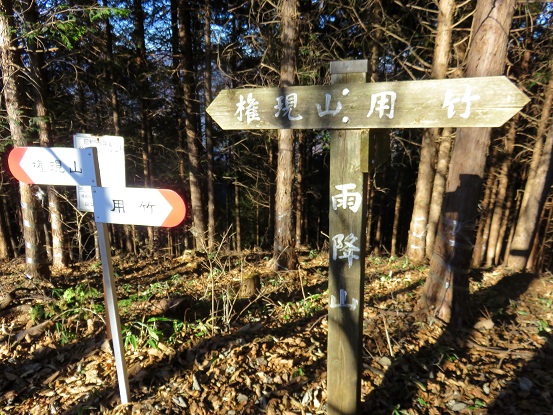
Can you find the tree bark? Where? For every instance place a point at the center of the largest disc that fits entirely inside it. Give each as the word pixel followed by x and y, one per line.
pixel 300 201
pixel 501 194
pixel 36 258
pixel 438 188
pixel 483 231
pixel 39 93
pixel 446 289
pixel 499 256
pixel 6 250
pixel 238 224
pixel 209 131
pixel 537 186
pixel 284 253
pixel 425 178
pixel 191 124
pixel 397 214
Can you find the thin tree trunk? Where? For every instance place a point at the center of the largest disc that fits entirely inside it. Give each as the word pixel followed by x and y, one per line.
pixel 273 159
pixel 487 203
pixel 370 212
pixel 500 197
pixel 11 227
pixel 483 231
pixel 144 106
pixel 6 250
pixel 438 188
pixel 447 286
pixel 128 242
pixel 377 241
pixel 537 257
pixel 537 185
pixel 499 256
pixel 300 201
pixel 191 124
pixel 36 259
pixel 39 93
pixel 110 75
pixel 143 88
pixel 284 253
pixel 209 131
pixel 397 214
pixel 238 232
pixel 425 178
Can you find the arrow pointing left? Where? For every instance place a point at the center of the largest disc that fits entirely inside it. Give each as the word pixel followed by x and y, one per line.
pixel 53 166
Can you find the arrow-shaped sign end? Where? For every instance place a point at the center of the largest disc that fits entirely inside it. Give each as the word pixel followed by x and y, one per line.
pixel 14 164
pixel 177 215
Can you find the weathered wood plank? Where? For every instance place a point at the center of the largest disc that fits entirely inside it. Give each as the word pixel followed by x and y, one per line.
pixel 347 224
pixel 463 102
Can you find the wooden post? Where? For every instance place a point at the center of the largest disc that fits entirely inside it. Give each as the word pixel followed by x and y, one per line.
pixel 347 225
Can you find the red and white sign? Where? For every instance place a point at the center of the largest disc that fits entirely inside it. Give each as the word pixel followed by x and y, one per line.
pixel 53 166
pixel 138 206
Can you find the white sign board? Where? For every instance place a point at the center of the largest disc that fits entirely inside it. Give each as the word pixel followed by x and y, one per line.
pixel 138 206
pixel 111 161
pixel 53 166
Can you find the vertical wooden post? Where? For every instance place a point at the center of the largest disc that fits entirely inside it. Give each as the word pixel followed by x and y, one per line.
pixel 347 228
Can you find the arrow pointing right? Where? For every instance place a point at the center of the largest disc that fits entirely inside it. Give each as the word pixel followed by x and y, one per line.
pixel 138 206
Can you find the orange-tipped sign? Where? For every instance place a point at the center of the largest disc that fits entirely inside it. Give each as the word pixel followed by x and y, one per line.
pixel 138 206
pixel 53 166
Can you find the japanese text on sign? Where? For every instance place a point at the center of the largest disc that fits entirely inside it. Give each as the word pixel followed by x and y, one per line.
pixel 382 104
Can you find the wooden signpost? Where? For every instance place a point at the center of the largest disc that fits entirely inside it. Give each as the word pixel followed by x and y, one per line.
pixel 139 206
pixel 350 107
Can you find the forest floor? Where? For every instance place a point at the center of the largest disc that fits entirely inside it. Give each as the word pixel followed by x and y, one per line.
pixel 194 347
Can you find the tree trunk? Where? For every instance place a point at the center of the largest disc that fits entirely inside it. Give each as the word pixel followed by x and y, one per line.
pixel 501 194
pixel 438 188
pixel 36 259
pixel 110 77
pixel 238 231
pixel 537 187
pixel 397 214
pixel 6 251
pixel 143 91
pixel 483 231
pixel 370 212
pixel 447 286
pixel 12 228
pixel 425 178
pixel 191 124
pixel 145 129
pixel 284 253
pixel 543 237
pixel 209 131
pixel 504 224
pixel 300 201
pixel 273 161
pixel 39 93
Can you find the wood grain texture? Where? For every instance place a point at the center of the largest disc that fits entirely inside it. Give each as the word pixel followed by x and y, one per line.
pixel 463 102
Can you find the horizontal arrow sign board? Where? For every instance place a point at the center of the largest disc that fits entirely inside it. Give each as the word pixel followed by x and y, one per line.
pixel 53 166
pixel 463 102
pixel 138 206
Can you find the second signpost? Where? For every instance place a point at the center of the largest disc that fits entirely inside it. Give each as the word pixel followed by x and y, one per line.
pixel 122 205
